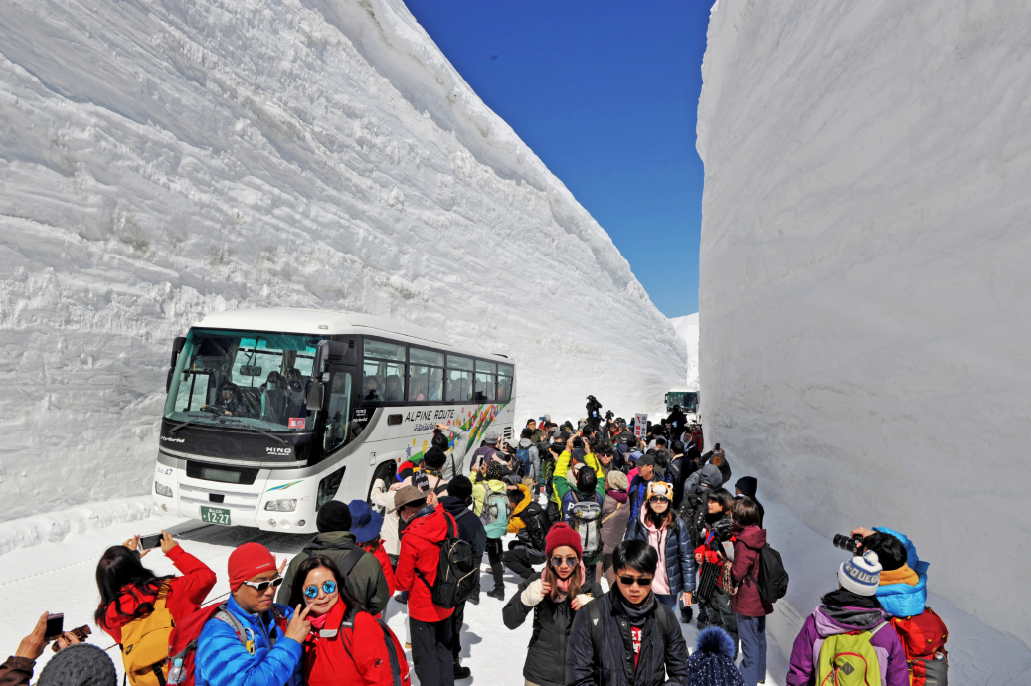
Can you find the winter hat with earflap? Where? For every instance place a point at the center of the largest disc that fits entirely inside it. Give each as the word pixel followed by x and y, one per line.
pixel 659 488
pixel 81 664
pixel 562 534
pixel 861 575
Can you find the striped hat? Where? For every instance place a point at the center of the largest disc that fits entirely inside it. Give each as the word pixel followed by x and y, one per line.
pixel 861 575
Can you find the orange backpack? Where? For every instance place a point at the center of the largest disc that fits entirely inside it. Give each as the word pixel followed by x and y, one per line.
pixel 923 638
pixel 145 644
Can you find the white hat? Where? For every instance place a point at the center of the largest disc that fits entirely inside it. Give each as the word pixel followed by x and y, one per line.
pixel 861 575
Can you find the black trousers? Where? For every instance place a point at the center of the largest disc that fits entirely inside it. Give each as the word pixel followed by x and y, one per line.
pixel 431 652
pixel 497 569
pixel 520 561
pixel 719 613
pixel 457 620
pixel 553 512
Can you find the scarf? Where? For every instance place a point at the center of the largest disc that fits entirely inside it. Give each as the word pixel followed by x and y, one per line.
pixel 563 585
pixel 902 575
pixel 637 614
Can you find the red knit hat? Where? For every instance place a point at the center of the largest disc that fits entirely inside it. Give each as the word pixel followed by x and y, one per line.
pixel 247 562
pixel 562 534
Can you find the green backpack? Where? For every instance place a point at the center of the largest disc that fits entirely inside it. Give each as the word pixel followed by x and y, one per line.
pixel 849 660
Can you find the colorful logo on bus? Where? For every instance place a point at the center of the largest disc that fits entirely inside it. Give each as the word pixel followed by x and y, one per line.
pixel 475 421
pixel 283 486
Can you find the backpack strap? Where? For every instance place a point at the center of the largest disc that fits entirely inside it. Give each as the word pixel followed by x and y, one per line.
pixel 597 620
pixel 395 661
pixel 350 560
pixel 609 515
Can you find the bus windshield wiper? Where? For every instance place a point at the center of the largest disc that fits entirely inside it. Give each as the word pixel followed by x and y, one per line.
pixel 194 420
pixel 225 420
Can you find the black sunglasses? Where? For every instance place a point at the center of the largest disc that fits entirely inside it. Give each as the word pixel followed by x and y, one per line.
pixel 630 581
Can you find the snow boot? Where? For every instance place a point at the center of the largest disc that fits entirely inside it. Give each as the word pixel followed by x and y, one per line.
pixel 685 614
pixel 461 672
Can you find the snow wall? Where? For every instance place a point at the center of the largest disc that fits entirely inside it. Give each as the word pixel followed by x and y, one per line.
pixel 864 274
pixel 162 160
pixel 687 328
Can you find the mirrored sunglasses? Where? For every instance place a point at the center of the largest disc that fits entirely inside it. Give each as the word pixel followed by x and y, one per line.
pixel 312 592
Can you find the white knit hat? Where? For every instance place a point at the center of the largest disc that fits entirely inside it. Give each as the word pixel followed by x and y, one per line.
pixel 861 575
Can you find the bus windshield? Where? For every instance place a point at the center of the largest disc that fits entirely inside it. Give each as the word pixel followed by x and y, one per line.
pixel 688 401
pixel 243 380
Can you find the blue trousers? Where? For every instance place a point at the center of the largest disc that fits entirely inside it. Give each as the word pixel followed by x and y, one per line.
pixel 752 631
pixel 667 600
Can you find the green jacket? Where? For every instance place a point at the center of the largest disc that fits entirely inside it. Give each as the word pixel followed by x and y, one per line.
pixel 366 578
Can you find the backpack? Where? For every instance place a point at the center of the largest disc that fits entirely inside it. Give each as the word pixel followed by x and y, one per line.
pixel 145 642
pixel 523 455
pixel 772 583
pixel 182 643
pixel 497 510
pixel 536 522
pixel 923 638
pixel 457 571
pixel 849 660
pixel 400 676
pixel 585 519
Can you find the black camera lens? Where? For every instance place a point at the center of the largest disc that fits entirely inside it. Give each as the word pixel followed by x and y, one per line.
pixel 847 543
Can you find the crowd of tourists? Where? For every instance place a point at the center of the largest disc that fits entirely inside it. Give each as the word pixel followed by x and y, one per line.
pixel 642 511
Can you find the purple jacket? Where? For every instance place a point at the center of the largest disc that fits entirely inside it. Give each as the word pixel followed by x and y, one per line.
pixel 831 619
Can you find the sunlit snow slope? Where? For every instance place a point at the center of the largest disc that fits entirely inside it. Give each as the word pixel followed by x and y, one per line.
pixel 687 328
pixel 865 274
pixel 162 160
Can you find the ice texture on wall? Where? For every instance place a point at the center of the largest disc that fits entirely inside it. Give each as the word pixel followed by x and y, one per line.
pixel 162 160
pixel 687 328
pixel 864 274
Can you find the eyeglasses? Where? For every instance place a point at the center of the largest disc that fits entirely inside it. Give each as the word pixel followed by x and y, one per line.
pixel 569 561
pixel 312 592
pixel 630 581
pixel 262 586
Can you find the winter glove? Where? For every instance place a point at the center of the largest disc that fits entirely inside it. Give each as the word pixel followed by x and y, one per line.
pixel 532 594
pixel 582 600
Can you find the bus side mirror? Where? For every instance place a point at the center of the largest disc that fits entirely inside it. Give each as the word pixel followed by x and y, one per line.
pixel 316 394
pixel 177 347
pixel 168 379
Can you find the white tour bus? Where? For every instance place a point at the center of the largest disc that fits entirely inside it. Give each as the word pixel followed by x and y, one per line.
pixel 273 412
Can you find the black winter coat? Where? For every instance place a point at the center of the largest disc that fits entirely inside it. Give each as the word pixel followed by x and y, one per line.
pixel 546 654
pixel 470 528
pixel 662 651
pixel 681 569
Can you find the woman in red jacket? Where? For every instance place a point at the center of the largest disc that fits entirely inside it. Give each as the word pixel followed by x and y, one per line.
pixel 128 589
pixel 749 608
pixel 346 645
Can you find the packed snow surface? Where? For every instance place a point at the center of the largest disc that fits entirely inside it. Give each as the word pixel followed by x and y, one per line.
pixel 162 160
pixel 687 328
pixel 864 274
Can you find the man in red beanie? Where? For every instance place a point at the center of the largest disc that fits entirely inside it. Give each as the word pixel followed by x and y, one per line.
pixel 264 646
pixel 426 527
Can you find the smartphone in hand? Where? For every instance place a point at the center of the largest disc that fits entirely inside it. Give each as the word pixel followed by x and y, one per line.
pixel 55 626
pixel 151 541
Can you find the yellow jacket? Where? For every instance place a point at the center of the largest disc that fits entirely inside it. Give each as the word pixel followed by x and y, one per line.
pixel 559 483
pixel 516 522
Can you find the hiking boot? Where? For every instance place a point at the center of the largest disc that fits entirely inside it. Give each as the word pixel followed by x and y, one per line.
pixel 461 672
pixel 474 599
pixel 498 592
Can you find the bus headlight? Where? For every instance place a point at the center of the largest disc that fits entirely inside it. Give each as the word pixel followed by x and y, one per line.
pixel 162 489
pixel 281 505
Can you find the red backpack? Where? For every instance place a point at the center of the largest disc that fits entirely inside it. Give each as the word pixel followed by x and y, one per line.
pixel 923 638
pixel 182 644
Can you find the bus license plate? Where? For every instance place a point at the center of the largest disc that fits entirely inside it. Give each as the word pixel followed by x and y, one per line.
pixel 215 515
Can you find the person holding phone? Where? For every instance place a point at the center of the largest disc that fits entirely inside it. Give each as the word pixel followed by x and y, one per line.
pixel 269 650
pixel 17 669
pixel 128 590
pixel 346 645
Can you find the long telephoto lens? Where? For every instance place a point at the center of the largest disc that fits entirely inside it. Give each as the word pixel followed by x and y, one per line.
pixel 846 543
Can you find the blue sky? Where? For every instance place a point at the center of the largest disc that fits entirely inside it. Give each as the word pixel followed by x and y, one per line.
pixel 606 94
